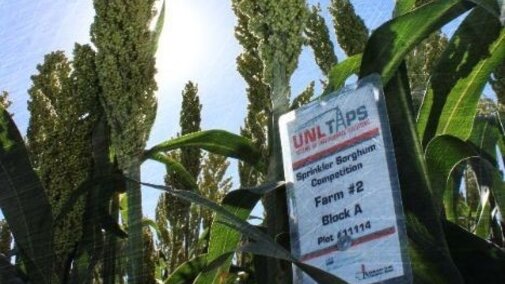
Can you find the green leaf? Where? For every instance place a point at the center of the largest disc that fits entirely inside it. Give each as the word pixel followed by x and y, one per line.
pixel 90 247
pixel 501 147
pixel 422 267
pixel 24 203
pixel 216 141
pixel 426 265
pixel 158 28
pixel 172 165
pixel 463 71
pixel 415 182
pixel 123 208
pixel 486 134
pixel 490 177
pixel 496 228
pixel 390 43
pixel 443 155
pixel 491 6
pixel 188 271
pixel 498 189
pixel 483 228
pixel 222 239
pixel 340 72
pixel 235 220
pixel 452 195
pixel 202 243
pixel 224 216
pixel 478 260
pixel 317 274
pixel 403 7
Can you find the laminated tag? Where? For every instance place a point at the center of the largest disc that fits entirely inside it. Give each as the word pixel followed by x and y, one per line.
pixel 344 199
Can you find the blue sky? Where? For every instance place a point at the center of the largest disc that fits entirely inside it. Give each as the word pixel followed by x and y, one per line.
pixel 197 44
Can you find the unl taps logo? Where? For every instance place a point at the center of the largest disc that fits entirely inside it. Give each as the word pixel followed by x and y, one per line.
pixel 337 122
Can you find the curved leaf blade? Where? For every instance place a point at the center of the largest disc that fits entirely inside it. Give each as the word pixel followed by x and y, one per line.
pixel 158 28
pixel 443 154
pixel 491 6
pixel 486 134
pixel 317 274
pixel 483 228
pixel 216 141
pixel 24 203
pixel 415 185
pixel 403 7
pixel 185 177
pixel 478 260
pixel 340 72
pixel 452 194
pixel 489 176
pixel 456 85
pixel 222 239
pixel 391 42
pixel 224 216
pixel 188 271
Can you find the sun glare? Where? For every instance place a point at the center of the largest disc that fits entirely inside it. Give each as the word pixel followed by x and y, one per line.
pixel 182 44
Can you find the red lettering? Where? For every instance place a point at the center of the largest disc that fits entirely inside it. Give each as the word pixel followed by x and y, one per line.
pixel 298 142
pixel 310 136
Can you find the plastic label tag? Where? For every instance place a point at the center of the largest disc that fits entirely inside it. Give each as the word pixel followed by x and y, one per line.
pixel 344 201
